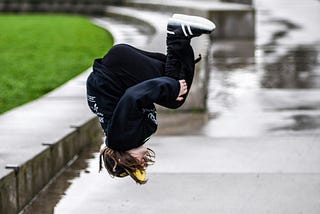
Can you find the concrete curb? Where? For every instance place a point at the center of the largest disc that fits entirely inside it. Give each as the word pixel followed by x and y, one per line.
pixel 38 139
pixel 19 186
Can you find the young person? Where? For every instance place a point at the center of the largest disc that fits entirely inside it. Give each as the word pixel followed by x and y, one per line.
pixel 124 86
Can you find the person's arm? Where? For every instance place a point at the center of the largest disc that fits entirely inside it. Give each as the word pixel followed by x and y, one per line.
pixel 127 127
pixel 162 90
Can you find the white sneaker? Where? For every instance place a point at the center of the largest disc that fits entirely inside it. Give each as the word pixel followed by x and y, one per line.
pixel 189 26
pixel 197 19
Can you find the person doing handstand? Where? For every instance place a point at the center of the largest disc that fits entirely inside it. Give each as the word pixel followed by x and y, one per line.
pixel 126 83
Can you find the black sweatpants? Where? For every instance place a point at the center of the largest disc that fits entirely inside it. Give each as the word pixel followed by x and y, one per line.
pixel 134 65
pixel 125 84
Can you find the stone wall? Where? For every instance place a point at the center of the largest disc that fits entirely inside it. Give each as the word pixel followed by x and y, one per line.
pixel 68 6
pixel 19 187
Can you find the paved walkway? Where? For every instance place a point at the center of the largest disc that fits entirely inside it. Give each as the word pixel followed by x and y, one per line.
pixel 226 170
pixel 209 175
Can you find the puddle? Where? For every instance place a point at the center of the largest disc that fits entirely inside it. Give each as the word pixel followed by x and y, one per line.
pixel 300 123
pixel 49 197
pixel 298 108
pixel 273 83
pixel 260 95
pixel 297 69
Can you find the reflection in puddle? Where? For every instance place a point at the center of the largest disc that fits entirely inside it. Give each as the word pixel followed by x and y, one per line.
pixel 300 123
pixel 288 26
pixel 232 55
pixel 263 91
pixel 55 191
pixel 298 108
pixel 296 69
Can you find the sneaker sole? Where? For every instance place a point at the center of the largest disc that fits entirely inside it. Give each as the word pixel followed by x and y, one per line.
pixel 195 20
pixel 186 25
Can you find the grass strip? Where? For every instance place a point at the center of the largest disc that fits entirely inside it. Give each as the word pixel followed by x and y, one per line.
pixel 39 52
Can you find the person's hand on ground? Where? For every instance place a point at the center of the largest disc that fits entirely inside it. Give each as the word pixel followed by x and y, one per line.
pixel 183 89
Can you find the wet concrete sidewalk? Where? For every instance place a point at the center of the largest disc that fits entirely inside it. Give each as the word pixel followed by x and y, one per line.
pixel 258 153
pixel 208 175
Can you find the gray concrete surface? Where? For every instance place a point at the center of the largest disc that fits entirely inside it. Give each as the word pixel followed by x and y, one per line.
pixel 188 193
pixel 237 155
pixel 208 175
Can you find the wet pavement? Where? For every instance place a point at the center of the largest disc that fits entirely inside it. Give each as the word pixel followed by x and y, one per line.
pixel 258 152
pixel 271 85
pixel 263 96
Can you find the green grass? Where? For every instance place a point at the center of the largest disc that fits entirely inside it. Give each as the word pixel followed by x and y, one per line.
pixel 39 52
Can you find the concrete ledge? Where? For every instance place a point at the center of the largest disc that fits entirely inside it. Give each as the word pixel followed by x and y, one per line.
pixel 233 20
pixel 65 7
pixel 19 187
pixel 115 12
pixel 40 138
pixel 8 193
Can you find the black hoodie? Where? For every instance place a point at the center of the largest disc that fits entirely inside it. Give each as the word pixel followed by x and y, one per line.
pixel 126 109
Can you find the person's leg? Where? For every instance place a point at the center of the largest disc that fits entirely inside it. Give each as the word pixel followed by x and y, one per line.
pixel 180 59
pixel 134 64
pixel 155 55
pixel 129 57
pixel 180 56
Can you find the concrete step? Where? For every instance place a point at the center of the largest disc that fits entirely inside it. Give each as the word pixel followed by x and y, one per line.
pixel 39 138
pixel 136 33
pixel 233 20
